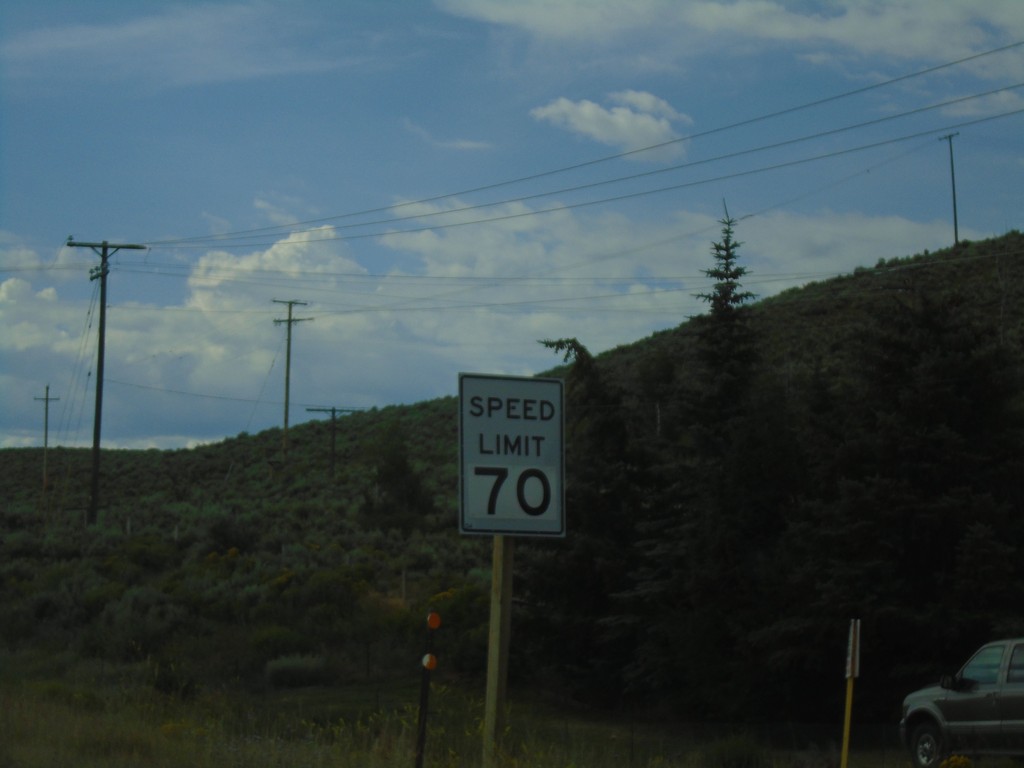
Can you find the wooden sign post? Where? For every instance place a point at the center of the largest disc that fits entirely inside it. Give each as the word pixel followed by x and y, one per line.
pixel 497 647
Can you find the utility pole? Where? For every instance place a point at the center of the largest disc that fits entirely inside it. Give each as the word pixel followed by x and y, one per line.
pixel 104 250
pixel 952 176
pixel 46 399
pixel 334 415
pixel 288 363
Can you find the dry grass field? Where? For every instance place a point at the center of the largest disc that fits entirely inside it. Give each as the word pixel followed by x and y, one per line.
pixel 102 716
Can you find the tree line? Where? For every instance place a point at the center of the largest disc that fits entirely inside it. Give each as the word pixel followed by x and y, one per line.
pixel 738 489
pixel 718 550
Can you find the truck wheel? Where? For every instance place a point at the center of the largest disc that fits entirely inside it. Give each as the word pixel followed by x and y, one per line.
pixel 926 745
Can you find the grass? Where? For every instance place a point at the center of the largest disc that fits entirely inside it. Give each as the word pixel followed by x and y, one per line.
pixel 61 713
pixel 52 724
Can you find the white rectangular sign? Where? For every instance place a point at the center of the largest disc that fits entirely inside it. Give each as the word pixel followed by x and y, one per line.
pixel 511 455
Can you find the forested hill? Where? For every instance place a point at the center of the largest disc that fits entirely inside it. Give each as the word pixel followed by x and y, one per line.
pixel 739 488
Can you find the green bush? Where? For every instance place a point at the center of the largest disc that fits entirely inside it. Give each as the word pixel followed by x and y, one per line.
pixel 296 671
pixel 20 544
pixel 739 751
pixel 139 623
pixel 275 641
pixel 73 697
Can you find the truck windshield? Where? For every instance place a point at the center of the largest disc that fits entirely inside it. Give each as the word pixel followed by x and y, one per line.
pixel 983 668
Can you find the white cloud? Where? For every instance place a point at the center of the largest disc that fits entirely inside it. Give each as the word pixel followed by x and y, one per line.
pixel 648 103
pixel 314 256
pixel 62 264
pixel 640 120
pixel 559 274
pixel 275 213
pixel 1003 102
pixel 783 249
pixel 14 289
pixel 894 28
pixel 456 144
pixel 567 19
pixel 183 45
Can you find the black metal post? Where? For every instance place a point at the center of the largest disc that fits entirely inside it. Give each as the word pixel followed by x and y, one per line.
pixel 429 663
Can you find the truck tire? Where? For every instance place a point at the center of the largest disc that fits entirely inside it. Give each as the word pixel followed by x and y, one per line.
pixel 926 747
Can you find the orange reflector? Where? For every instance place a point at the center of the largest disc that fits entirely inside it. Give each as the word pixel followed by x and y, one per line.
pixel 433 620
pixel 430 661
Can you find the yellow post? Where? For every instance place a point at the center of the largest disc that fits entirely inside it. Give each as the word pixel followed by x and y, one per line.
pixel 846 723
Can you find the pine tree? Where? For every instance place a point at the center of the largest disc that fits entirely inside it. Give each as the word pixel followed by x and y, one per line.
pixel 695 592
pixel 726 298
pixel 726 345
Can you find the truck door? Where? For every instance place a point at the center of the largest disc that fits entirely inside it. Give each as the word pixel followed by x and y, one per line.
pixel 971 708
pixel 1011 702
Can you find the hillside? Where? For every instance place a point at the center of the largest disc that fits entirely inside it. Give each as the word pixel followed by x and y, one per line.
pixel 853 452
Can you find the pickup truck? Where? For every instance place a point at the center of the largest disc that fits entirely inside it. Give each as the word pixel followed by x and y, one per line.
pixel 978 711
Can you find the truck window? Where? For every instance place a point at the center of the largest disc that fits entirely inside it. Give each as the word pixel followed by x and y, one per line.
pixel 983 668
pixel 1016 674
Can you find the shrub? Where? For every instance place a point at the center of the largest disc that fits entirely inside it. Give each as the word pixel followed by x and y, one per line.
pixel 172 677
pixel 275 641
pixel 740 751
pixel 20 544
pixel 139 623
pixel 296 671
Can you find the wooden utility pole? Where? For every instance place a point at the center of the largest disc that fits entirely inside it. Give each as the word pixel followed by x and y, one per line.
pixel 288 363
pixel 104 250
pixel 952 178
pixel 46 428
pixel 334 415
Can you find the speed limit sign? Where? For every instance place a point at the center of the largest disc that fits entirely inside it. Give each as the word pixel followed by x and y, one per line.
pixel 511 458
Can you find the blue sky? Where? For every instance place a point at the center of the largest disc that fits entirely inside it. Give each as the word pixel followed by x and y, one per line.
pixel 445 183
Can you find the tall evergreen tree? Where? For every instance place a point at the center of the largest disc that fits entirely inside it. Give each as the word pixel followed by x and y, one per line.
pixel 696 589
pixel 726 298
pixel 726 344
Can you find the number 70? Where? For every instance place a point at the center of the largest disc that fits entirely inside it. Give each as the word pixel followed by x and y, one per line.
pixel 500 475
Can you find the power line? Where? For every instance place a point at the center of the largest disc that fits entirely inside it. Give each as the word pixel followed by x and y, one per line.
pixel 596 161
pixel 881 270
pixel 206 396
pixel 470 282
pixel 649 173
pixel 659 171
pixel 70 428
pixel 616 198
pixel 477 305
